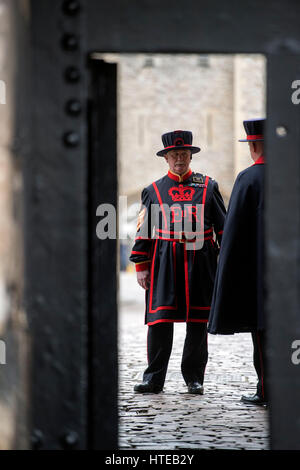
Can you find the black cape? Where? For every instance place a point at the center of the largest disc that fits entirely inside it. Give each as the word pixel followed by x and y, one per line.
pixel 237 303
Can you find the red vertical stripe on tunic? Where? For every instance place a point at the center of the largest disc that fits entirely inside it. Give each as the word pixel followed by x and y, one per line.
pixel 203 202
pixel 187 287
pixel 160 203
pixel 152 275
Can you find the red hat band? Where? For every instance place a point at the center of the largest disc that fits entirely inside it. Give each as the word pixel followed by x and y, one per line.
pixel 254 137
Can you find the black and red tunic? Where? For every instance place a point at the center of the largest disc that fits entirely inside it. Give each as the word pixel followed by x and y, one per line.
pixel 177 244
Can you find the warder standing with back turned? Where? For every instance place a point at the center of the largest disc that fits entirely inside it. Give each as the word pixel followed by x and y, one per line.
pixel 237 305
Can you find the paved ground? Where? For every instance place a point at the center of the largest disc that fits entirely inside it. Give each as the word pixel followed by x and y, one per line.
pixel 175 419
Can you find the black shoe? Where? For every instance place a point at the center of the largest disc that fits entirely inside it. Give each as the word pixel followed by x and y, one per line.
pixel 196 388
pixel 147 387
pixel 254 400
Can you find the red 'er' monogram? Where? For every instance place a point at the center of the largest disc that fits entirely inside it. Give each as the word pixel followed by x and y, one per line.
pixel 190 212
pixel 181 193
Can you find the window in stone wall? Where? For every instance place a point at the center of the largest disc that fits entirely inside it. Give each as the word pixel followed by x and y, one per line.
pixel 203 60
pixel 209 130
pixel 149 62
pixel 141 130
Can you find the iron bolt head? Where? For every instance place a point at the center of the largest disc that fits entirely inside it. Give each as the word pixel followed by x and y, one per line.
pixel 70 439
pixel 71 139
pixel 37 439
pixel 281 131
pixel 72 74
pixel 73 107
pixel 71 7
pixel 70 42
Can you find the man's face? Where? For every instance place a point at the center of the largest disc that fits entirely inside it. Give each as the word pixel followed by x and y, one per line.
pixel 179 160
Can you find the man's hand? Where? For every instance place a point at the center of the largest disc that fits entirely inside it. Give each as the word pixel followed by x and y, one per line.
pixel 143 278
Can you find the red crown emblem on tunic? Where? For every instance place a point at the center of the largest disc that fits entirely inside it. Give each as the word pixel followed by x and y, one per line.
pixel 181 193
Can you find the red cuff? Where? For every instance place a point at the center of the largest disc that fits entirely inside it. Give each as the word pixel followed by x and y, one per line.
pixel 142 266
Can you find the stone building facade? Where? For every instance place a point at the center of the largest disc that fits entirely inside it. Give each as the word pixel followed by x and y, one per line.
pixel 210 95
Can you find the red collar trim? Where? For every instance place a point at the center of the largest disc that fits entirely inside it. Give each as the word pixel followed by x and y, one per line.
pixel 260 160
pixel 255 136
pixel 179 178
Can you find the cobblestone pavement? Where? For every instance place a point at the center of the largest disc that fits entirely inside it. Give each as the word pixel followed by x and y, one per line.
pixel 175 419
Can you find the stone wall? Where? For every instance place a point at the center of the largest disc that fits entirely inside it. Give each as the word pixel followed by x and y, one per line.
pixel 176 92
pixel 14 336
pixel 208 94
pixel 249 101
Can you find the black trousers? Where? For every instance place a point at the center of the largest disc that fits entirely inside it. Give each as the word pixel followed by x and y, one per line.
pixel 259 360
pixel 159 346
